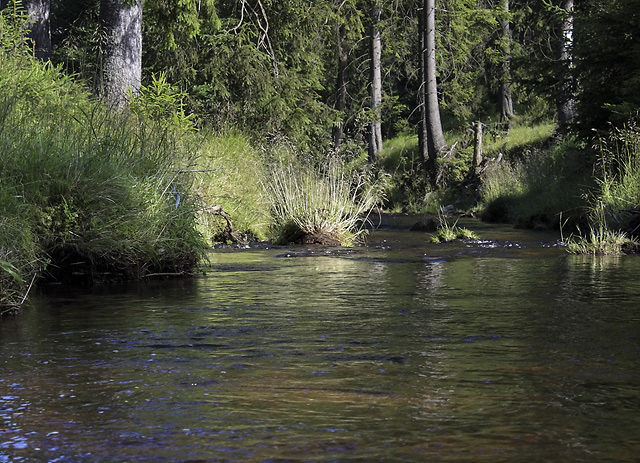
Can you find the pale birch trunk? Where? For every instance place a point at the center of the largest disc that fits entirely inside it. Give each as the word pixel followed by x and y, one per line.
pixel 375 133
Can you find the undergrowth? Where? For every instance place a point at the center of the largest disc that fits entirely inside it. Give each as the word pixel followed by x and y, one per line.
pixel 85 191
pixel 614 206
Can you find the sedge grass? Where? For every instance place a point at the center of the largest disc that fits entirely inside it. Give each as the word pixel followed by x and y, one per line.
pixel 330 205
pixel 85 188
pixel 600 241
pixel 446 232
pixel 612 205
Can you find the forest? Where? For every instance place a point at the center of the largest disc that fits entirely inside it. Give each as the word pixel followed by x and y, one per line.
pixel 135 135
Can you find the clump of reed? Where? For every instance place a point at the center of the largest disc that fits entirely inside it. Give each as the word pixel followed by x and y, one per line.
pixel 446 232
pixel 328 205
pixel 614 207
pixel 599 240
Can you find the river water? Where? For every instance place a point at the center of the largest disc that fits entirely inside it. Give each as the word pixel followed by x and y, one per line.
pixel 506 349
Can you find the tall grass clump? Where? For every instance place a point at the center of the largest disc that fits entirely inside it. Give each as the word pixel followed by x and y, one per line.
pixel 446 232
pixel 614 207
pixel 618 201
pixel 85 191
pixel 328 205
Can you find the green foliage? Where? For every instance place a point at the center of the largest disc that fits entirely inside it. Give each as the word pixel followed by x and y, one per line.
pixel 617 198
pixel 84 188
pixel 407 187
pixel 264 71
pixel 468 30
pixel 75 35
pixel 162 103
pixel 614 204
pixel 329 205
pixel 607 62
pixel 535 183
pixel 173 30
pixel 446 232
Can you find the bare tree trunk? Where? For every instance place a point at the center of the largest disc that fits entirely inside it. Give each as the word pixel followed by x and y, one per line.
pixel 121 22
pixel 432 134
pixel 375 133
pixel 506 99
pixel 565 103
pixel 477 147
pixel 40 27
pixel 423 134
pixel 341 87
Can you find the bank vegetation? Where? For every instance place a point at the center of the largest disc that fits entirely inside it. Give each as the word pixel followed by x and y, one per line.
pixel 294 122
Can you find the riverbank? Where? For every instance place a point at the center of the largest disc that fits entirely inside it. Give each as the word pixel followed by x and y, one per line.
pixel 87 193
pixel 91 194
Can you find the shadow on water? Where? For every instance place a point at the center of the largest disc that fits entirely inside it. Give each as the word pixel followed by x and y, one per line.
pixel 505 349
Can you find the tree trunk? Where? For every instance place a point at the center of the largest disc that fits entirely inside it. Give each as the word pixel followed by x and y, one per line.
pixel 40 27
pixel 477 146
pixel 341 87
pixel 423 134
pixel 565 103
pixel 375 133
pixel 432 136
pixel 121 22
pixel 506 99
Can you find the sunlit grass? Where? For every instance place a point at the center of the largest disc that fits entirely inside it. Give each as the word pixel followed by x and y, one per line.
pixel 446 232
pixel 86 188
pixel 326 206
pixel 600 241
pixel 230 172
pixel 519 137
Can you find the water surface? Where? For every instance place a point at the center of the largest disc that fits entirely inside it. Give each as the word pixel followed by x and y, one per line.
pixel 502 350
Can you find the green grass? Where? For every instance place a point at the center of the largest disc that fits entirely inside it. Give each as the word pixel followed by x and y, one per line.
pixel 231 172
pixel 536 186
pixel 600 241
pixel 520 141
pixel 446 232
pixel 523 146
pixel 612 205
pixel 618 193
pixel 84 190
pixel 327 205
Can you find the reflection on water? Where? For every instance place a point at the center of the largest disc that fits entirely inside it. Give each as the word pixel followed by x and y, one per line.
pixel 401 351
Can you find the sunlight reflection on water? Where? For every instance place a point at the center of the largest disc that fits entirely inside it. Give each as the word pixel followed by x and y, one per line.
pixel 405 351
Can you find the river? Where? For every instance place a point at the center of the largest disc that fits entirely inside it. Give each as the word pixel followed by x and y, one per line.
pixel 505 349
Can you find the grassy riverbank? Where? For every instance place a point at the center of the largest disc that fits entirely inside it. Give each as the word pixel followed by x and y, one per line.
pixel 86 193
pixel 532 178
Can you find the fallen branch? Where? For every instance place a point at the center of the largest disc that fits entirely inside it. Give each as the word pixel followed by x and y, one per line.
pixel 228 229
